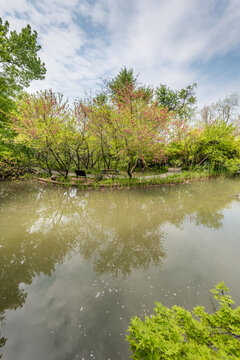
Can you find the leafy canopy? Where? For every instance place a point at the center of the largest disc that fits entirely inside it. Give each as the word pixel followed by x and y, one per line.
pixel 180 101
pixel 179 334
pixel 18 55
pixel 124 78
pixel 19 63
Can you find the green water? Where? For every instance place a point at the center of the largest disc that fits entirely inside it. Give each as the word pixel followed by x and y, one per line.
pixel 75 266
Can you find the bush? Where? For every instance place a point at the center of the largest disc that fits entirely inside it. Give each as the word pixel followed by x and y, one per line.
pixel 179 334
pixel 11 167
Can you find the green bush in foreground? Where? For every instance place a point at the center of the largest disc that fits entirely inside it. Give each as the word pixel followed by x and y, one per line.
pixel 179 334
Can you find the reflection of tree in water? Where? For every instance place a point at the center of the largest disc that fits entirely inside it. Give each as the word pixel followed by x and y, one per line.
pixel 2 339
pixel 118 231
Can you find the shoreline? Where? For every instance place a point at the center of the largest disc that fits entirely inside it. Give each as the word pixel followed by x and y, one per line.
pixel 135 183
pixel 186 177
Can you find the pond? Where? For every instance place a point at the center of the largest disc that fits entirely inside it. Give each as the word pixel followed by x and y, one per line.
pixel 76 266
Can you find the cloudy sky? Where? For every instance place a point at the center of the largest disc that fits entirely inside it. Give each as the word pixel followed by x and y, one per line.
pixel 174 42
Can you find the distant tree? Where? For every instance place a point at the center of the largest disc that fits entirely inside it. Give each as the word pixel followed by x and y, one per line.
pixel 208 114
pixel 124 78
pixel 224 109
pixel 180 101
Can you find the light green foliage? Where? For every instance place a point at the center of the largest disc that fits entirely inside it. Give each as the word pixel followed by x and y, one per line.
pixel 217 145
pixel 45 123
pixel 181 101
pixel 179 334
pixel 126 126
pixel 174 153
pixel 19 61
pixel 14 160
pixel 131 130
pixel 19 65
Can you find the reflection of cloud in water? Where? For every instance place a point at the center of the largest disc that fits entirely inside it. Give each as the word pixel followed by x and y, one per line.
pixel 117 232
pixel 82 327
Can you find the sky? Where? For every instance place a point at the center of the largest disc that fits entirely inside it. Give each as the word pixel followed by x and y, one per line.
pixel 172 42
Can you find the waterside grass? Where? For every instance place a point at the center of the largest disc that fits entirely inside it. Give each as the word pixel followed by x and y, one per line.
pixel 136 182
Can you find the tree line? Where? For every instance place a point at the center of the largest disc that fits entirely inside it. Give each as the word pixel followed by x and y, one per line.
pixel 126 125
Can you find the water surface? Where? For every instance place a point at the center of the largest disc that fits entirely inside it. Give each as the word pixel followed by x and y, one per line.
pixel 75 266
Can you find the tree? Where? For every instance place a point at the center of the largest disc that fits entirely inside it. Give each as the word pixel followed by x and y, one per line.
pixel 217 146
pixel 176 333
pixel 46 124
pixel 180 101
pixel 224 109
pixel 124 78
pixel 19 61
pixel 86 149
pixel 214 145
pixel 19 65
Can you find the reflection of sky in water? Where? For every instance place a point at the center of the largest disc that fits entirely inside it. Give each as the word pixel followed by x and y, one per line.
pixel 109 256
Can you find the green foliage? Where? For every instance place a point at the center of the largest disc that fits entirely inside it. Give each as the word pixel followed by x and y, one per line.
pixel 127 126
pixel 217 145
pixel 19 61
pixel 19 66
pixel 232 165
pixel 179 334
pixel 123 79
pixel 121 83
pixel 45 123
pixel 132 131
pixel 180 101
pixel 174 153
pixel 14 157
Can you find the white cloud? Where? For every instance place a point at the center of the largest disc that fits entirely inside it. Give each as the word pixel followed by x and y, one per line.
pixel 166 41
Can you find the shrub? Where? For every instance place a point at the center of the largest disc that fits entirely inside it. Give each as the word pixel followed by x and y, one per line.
pixel 179 334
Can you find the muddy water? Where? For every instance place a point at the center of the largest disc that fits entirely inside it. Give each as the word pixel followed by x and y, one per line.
pixel 75 266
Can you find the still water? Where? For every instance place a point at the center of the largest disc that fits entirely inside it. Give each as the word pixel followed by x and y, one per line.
pixel 75 266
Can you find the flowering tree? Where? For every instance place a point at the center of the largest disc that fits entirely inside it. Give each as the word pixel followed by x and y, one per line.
pixel 134 127
pixel 45 123
pixel 87 150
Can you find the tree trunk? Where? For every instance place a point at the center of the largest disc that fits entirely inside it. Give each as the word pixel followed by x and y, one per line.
pixel 129 170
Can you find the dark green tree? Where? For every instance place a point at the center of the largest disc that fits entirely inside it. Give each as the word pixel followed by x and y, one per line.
pixel 124 78
pixel 181 101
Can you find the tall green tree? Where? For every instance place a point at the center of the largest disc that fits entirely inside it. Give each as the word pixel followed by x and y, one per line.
pixel 19 65
pixel 180 101
pixel 124 78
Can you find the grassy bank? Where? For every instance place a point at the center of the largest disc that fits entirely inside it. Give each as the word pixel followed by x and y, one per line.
pixel 136 182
